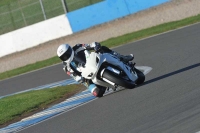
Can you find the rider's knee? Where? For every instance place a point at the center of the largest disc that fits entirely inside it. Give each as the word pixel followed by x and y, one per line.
pixel 97 91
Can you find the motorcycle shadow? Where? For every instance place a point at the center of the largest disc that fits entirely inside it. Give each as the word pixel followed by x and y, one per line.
pixel 110 91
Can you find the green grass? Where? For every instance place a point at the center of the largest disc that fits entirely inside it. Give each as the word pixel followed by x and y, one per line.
pixel 73 5
pixel 110 43
pixel 15 14
pixel 13 107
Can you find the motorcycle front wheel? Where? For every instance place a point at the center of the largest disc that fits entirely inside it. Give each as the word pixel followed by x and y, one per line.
pixel 141 77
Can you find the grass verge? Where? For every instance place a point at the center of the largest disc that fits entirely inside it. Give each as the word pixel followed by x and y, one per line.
pixel 112 42
pixel 15 14
pixel 21 105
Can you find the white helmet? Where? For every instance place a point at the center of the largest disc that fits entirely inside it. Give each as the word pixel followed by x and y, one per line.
pixel 65 53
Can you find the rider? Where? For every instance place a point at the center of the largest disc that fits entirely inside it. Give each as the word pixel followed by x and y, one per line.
pixel 74 57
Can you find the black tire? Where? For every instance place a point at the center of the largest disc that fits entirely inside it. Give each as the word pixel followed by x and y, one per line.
pixel 118 80
pixel 141 77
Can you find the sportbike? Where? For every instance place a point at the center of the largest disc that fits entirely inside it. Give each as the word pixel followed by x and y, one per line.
pixel 107 70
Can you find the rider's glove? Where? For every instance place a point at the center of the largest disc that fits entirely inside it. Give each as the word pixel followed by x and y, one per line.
pixel 65 68
pixel 97 47
pixel 81 80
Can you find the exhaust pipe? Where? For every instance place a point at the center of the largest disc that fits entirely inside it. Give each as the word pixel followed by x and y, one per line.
pixel 110 69
pixel 108 81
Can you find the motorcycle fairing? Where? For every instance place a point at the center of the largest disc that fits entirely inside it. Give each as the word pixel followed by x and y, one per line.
pixel 111 59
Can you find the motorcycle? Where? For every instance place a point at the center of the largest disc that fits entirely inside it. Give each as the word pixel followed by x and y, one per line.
pixel 107 70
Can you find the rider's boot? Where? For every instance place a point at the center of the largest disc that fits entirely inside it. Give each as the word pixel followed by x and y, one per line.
pixel 125 58
pixel 132 65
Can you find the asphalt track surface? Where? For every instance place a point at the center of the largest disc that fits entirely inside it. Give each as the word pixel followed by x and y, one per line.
pixel 168 102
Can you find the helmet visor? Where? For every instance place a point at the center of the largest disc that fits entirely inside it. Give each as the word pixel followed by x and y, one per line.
pixel 67 54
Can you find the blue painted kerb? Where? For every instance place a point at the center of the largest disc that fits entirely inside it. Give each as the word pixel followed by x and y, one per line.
pixel 106 11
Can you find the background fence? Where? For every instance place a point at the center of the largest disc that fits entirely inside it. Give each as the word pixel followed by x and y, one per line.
pixel 15 14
